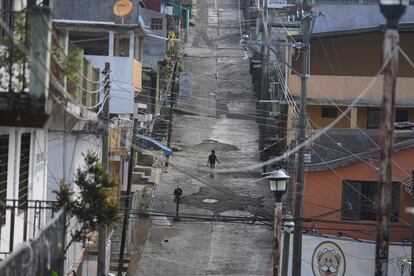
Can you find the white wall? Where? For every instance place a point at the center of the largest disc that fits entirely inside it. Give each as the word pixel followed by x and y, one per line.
pixel 37 186
pixel 359 257
pixel 122 93
pixel 65 156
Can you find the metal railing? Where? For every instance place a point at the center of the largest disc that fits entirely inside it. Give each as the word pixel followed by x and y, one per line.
pixel 43 255
pixel 34 214
pixel 75 74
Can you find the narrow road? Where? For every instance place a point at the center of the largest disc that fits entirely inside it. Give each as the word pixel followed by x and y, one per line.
pixel 222 117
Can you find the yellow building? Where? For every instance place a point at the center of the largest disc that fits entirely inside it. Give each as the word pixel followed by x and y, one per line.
pixel 342 65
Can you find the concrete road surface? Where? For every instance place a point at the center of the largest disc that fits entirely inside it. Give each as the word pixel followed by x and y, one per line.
pixel 223 118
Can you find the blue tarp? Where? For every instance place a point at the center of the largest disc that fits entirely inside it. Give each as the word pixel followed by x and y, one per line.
pixel 163 147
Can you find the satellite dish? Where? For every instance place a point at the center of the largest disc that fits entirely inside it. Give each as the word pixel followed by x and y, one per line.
pixel 122 8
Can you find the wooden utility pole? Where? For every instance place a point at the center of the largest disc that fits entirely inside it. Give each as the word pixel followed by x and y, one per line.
pixel 264 83
pixel 412 223
pixel 297 238
pixel 170 123
pixel 105 148
pixel 385 168
pixel 127 199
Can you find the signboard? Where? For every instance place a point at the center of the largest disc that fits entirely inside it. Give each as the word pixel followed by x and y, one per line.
pixel 185 86
pixel 169 10
pixel 139 109
pixel 276 4
pixel 328 259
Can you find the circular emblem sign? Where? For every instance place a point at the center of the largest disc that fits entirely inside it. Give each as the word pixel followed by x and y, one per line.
pixel 328 260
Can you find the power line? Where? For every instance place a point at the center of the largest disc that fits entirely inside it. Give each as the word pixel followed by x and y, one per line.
pixel 53 79
pixel 211 114
pixel 317 135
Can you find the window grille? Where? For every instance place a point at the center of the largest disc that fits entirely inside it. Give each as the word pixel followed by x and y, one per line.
pixel 24 170
pixel 156 23
pixel 4 158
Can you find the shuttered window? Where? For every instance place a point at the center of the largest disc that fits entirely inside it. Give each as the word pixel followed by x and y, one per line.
pixel 24 170
pixel 4 160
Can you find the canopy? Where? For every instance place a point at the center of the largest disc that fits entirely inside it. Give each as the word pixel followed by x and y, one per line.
pixel 160 145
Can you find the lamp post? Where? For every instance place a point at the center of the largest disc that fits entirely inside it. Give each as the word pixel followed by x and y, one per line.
pixel 278 181
pixel 392 11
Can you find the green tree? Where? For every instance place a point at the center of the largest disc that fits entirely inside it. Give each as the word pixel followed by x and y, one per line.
pixel 92 206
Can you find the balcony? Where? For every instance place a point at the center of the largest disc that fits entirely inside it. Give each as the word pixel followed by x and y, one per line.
pixel 119 139
pixel 126 80
pixel 24 84
pixel 78 88
pixel 118 45
pixel 344 89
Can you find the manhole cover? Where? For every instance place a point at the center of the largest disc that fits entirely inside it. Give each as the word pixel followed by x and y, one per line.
pixel 209 200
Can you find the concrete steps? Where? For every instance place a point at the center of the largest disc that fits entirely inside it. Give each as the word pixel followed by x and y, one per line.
pixel 139 177
pixel 143 169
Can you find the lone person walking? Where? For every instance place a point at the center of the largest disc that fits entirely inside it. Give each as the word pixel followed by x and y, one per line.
pixel 211 162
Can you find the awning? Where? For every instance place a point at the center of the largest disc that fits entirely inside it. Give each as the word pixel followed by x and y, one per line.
pixel 160 145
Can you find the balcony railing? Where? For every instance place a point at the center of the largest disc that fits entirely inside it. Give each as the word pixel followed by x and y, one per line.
pixel 43 255
pixel 34 214
pixel 76 75
pixel 23 92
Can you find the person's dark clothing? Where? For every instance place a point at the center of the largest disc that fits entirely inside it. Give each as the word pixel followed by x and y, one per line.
pixel 212 158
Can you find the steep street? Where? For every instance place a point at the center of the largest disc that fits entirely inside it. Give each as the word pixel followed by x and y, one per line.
pixel 206 137
pixel 220 116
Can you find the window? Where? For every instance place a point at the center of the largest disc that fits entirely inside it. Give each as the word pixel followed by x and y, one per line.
pixel 92 43
pixel 329 112
pixel 359 200
pixel 4 160
pixel 156 23
pixel 121 45
pixel 374 117
pixel 6 7
pixel 401 115
pixel 122 143
pixel 24 170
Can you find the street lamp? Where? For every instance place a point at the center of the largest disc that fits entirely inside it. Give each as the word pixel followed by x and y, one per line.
pixel 278 181
pixel 392 11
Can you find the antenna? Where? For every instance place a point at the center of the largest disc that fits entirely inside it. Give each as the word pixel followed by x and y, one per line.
pixel 122 8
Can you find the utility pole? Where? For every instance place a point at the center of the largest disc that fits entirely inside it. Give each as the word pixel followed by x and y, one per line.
pixel 174 74
pixel 300 173
pixel 127 199
pixel 385 171
pixel 412 224
pixel 288 212
pixel 264 86
pixel 392 10
pixel 105 147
